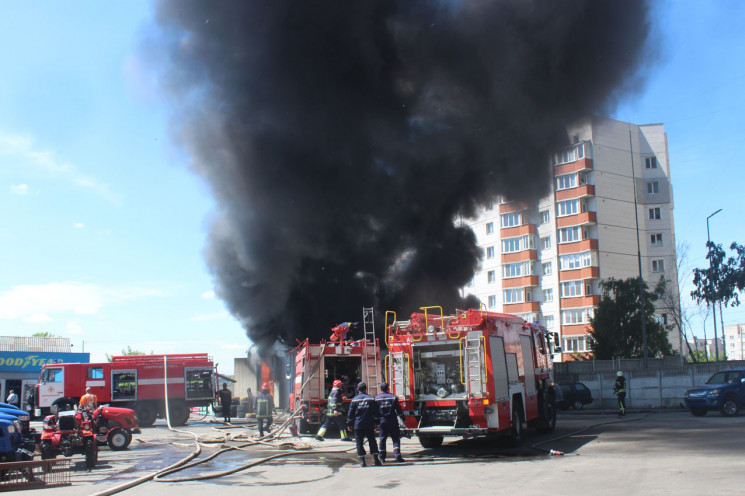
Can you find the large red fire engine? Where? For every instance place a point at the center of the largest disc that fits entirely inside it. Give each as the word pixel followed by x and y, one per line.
pixel 344 357
pixel 134 381
pixel 475 373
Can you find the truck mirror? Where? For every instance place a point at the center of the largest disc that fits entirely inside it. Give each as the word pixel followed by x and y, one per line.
pixel 288 371
pixel 556 342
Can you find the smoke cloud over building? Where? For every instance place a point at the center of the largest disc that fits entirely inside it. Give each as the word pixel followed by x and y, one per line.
pixel 342 139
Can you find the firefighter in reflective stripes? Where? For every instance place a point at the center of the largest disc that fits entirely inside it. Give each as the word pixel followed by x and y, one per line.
pixel 89 401
pixel 363 415
pixel 619 389
pixel 390 411
pixel 264 409
pixel 334 413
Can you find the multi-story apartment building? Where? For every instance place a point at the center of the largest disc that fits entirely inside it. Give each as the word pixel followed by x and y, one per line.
pixel 545 260
pixel 734 337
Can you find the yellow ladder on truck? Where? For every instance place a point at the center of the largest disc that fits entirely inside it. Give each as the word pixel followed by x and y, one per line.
pixel 370 353
pixel 474 365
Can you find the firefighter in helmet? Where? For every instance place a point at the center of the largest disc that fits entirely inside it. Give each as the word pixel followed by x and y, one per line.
pixel 363 415
pixel 334 413
pixel 619 389
pixel 390 411
pixel 264 409
pixel 226 401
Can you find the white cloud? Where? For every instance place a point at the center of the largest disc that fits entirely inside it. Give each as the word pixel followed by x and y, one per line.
pixel 19 189
pixel 205 317
pixel 208 295
pixel 73 327
pixel 38 318
pixel 23 148
pixel 235 346
pixel 33 301
pixel 78 225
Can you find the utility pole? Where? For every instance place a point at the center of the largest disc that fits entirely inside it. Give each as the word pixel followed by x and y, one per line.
pixel 713 303
pixel 639 256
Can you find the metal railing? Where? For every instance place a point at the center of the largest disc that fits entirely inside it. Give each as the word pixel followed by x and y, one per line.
pixel 34 474
pixel 37 344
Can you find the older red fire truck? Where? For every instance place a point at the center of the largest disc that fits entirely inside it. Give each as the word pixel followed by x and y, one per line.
pixel 475 373
pixel 345 357
pixel 133 381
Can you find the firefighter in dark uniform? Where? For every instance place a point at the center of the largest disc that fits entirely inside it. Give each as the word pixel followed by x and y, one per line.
pixel 334 413
pixel 390 411
pixel 226 401
pixel 264 409
pixel 362 416
pixel 619 389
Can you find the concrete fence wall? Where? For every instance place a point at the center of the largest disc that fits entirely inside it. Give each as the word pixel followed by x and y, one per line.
pixel 663 387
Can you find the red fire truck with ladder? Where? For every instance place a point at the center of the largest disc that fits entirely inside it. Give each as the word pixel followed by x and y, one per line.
pixel 132 381
pixel 475 373
pixel 342 357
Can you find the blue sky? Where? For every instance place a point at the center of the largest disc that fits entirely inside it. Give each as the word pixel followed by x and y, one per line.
pixel 102 227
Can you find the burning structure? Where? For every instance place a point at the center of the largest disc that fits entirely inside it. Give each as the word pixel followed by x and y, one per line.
pixel 341 141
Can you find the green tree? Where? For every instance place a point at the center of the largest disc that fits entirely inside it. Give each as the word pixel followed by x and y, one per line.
pixel 616 326
pixel 129 351
pixel 44 335
pixel 723 279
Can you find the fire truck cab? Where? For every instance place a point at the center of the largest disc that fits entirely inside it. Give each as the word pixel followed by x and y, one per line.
pixel 474 373
pixel 345 357
pixel 132 381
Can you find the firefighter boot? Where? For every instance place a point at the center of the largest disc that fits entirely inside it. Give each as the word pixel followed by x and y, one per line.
pixel 362 462
pixel 378 463
pixel 320 434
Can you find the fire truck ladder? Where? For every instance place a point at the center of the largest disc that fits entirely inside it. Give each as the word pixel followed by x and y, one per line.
pixel 370 352
pixel 474 365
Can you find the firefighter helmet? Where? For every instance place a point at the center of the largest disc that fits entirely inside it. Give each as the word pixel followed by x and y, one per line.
pixel 384 386
pixel 337 384
pixel 361 386
pixel 619 373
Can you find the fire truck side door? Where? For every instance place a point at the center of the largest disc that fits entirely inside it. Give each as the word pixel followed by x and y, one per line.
pixel 499 374
pixel 124 385
pixel 52 386
pixel 526 347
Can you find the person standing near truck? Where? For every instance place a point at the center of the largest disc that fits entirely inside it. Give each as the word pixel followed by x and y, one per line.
pixel 264 409
pixel 362 417
pixel 619 389
pixel 226 401
pixel 88 401
pixel 334 413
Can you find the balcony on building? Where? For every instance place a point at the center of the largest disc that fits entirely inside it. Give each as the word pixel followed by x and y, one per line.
pixel 580 191
pixel 520 282
pixel 513 232
pixel 519 256
pixel 524 307
pixel 580 301
pixel 579 219
pixel 578 246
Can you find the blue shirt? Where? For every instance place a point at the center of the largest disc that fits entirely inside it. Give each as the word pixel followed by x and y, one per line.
pixel 389 408
pixel 363 412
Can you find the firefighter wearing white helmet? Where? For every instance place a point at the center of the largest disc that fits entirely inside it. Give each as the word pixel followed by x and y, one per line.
pixel 619 389
pixel 334 413
pixel 390 411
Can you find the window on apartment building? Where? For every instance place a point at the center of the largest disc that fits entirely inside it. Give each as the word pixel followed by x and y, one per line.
pixel 546 243
pixel 512 245
pixel 549 322
pixel 511 219
pixel 656 239
pixel 528 294
pixel 490 205
pixel 569 234
pixel 650 162
pixel 574 344
pixel 547 268
pixel 516 269
pixel 574 316
pixel 569 155
pixel 491 277
pixel 567 207
pixel 658 265
pixel 490 228
pixel 570 289
pixel 492 301
pixel 575 261
pixel 653 187
pixel 513 295
pixel 545 217
pixel 655 213
pixel 548 294
pixel 489 252
pixel 472 281
pixel 566 181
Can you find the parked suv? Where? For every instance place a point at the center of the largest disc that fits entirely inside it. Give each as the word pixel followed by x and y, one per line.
pixel 724 391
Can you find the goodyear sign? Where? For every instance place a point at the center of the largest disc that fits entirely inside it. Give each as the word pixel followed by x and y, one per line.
pixel 25 361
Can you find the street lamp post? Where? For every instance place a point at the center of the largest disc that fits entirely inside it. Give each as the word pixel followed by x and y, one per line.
pixel 713 303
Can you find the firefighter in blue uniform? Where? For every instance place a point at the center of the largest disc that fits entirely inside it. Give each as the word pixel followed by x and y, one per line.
pixel 390 411
pixel 362 416
pixel 334 413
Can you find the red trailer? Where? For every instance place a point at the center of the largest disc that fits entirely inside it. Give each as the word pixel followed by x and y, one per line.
pixel 133 381
pixel 474 373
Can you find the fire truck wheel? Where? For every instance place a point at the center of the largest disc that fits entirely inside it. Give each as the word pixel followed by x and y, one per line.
pixel 47 453
pixel 119 439
pixel 516 431
pixel 145 415
pixel 91 453
pixel 179 414
pixel 430 441
pixel 548 418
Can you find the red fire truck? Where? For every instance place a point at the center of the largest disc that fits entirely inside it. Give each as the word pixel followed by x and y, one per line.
pixel 345 357
pixel 475 373
pixel 134 381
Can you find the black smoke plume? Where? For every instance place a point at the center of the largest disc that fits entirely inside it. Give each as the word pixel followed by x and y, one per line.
pixel 342 140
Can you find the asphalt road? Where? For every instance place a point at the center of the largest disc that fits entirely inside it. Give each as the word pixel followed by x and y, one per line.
pixel 643 453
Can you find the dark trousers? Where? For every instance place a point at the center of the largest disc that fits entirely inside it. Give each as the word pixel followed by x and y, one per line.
pixel 393 431
pixel 263 424
pixel 622 403
pixel 339 420
pixel 225 411
pixel 360 435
